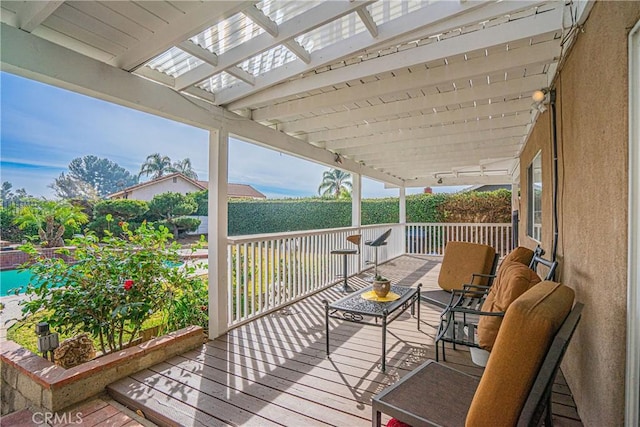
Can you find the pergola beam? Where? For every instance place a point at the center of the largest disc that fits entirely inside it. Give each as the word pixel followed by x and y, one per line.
pixel 305 22
pixel 436 18
pixel 181 29
pixel 524 57
pixel 34 13
pixel 498 90
pixel 271 27
pixel 361 134
pixel 466 180
pixel 368 21
pixel 460 121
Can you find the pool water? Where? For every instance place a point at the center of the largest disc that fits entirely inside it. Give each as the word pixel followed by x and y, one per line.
pixel 10 279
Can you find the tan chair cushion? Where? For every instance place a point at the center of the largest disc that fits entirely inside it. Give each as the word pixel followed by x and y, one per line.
pixel 520 254
pixel 513 280
pixel 461 260
pixel 526 334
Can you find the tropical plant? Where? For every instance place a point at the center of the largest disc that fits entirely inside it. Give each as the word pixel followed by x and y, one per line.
pixel 51 218
pixel 185 168
pixel 102 174
pixel 170 207
pixel 156 166
pixel 114 286
pixel 334 183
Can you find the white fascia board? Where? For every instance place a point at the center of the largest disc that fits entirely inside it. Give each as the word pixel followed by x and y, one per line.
pixel 541 53
pixel 360 135
pixel 434 19
pixel 29 56
pixel 494 90
pixel 429 125
pixel 181 29
pixel 34 13
pixel 303 23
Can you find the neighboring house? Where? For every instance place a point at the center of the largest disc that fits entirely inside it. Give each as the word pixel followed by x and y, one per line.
pixel 179 183
pixel 481 188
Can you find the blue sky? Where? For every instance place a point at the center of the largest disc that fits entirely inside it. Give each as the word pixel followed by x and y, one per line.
pixel 43 128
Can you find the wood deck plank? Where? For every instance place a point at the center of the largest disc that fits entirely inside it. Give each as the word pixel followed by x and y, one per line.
pixel 274 370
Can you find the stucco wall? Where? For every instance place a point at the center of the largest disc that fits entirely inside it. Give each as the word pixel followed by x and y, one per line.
pixel 592 118
pixel 147 192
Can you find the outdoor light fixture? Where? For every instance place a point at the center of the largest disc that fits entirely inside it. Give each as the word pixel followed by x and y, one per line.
pixel 47 341
pixel 439 180
pixel 539 95
pixel 540 99
pixel 338 158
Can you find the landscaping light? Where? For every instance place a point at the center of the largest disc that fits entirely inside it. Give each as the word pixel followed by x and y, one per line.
pixel 47 341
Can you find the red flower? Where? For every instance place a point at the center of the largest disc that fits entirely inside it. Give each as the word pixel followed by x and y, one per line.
pixel 121 223
pixel 203 308
pixel 128 284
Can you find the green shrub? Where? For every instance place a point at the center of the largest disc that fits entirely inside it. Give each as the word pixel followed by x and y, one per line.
pixel 115 285
pixel 10 231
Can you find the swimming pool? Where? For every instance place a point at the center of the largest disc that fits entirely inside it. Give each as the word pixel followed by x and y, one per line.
pixel 10 279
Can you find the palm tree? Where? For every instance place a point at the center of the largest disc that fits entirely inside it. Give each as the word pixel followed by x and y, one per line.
pixel 184 167
pixel 334 183
pixel 156 166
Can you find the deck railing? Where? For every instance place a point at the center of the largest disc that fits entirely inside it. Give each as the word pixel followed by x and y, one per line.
pixel 269 271
pixel 431 238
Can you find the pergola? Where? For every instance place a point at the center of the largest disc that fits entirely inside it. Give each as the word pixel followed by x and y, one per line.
pixel 413 94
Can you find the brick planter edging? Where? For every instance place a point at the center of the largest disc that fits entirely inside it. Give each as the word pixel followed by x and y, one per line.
pixel 39 382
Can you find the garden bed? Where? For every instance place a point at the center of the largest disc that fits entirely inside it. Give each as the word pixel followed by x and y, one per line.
pixel 30 380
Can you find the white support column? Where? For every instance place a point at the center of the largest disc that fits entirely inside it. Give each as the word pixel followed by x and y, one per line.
pixel 356 200
pixel 403 206
pixel 218 173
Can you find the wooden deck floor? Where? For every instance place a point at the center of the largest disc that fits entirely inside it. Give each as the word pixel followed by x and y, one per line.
pixel 274 370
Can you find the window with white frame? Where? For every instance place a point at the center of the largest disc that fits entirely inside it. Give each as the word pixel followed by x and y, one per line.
pixel 534 202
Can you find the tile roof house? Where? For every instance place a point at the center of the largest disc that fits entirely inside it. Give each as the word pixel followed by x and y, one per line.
pixel 179 183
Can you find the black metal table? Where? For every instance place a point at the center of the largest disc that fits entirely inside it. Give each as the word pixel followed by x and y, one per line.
pixel 354 308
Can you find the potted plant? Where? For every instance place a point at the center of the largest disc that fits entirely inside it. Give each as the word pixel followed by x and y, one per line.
pixel 381 286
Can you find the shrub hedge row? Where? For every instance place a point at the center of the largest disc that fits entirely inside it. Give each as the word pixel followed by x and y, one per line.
pixel 272 216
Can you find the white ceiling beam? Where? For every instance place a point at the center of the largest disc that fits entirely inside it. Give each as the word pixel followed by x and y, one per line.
pixel 303 23
pixel 404 148
pixel 257 16
pixel 34 13
pixel 541 53
pixel 167 80
pixel 342 137
pixel 467 180
pixel 32 57
pixel 498 90
pixel 211 58
pixel 298 50
pixel 518 123
pixel 433 19
pixel 241 74
pixel 368 21
pixel 459 166
pixel 502 146
pixel 453 158
pixel 206 14
pixel 431 124
pixel 271 27
pixel 199 52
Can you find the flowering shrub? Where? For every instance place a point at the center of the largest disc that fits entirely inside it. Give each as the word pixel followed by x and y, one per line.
pixel 115 284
